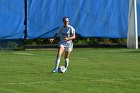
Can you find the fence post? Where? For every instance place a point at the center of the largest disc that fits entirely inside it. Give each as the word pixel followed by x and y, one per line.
pixel 25 21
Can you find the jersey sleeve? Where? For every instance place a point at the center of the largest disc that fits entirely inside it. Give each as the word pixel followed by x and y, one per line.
pixel 72 30
pixel 58 32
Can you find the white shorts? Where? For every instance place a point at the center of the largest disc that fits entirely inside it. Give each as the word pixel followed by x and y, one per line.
pixel 67 48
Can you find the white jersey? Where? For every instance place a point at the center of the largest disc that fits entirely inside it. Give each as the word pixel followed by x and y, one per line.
pixel 66 32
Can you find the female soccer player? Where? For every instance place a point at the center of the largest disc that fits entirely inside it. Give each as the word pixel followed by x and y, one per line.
pixel 66 35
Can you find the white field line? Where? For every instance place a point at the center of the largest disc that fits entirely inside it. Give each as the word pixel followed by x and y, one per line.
pixel 21 53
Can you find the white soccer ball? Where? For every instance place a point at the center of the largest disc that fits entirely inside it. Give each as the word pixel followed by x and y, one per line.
pixel 62 69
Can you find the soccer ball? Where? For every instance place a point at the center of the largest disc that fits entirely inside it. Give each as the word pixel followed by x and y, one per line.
pixel 62 69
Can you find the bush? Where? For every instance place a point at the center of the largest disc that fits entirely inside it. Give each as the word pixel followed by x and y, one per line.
pixel 78 40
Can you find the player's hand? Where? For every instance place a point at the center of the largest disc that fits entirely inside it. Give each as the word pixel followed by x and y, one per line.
pixel 51 40
pixel 66 38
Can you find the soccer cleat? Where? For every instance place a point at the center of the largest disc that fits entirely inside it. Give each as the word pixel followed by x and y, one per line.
pixel 55 71
pixel 66 69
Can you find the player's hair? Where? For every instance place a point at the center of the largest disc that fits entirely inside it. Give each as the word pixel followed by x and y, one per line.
pixel 64 18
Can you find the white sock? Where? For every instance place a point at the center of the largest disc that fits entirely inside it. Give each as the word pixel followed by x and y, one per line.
pixel 57 63
pixel 66 63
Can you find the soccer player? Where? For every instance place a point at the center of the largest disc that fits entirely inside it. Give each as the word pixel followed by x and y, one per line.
pixel 66 35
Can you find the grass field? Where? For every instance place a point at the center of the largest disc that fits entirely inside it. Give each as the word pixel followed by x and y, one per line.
pixel 91 70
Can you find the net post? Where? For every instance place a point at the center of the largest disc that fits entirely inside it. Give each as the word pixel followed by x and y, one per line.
pixel 25 22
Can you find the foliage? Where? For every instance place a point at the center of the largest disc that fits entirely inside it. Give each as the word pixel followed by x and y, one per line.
pixel 79 41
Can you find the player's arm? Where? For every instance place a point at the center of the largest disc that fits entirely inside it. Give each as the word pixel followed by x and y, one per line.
pixel 72 36
pixel 56 35
pixel 52 39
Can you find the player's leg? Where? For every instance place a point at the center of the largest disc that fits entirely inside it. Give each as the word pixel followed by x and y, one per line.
pixel 67 55
pixel 59 53
pixel 68 50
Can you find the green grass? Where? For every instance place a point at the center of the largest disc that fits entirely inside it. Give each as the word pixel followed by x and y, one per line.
pixel 91 70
